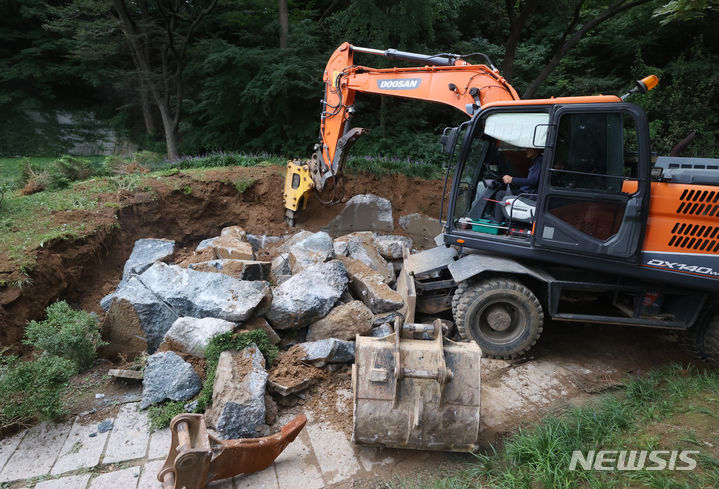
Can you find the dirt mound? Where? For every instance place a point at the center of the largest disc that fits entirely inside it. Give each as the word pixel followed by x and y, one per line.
pixel 186 208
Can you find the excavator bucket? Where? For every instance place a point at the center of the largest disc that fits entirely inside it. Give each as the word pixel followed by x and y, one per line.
pixel 197 458
pixel 416 393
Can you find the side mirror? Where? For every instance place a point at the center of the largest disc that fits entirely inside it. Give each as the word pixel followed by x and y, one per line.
pixel 449 139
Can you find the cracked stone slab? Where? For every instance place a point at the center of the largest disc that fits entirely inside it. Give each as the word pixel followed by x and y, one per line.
pixel 36 453
pixel 69 482
pixel 334 453
pixel 125 479
pixel 80 449
pixel 129 437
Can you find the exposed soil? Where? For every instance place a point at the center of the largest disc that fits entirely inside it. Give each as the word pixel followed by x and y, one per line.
pixel 83 270
pixel 289 370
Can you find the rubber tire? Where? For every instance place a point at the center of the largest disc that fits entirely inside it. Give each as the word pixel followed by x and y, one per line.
pixel 473 298
pixel 702 339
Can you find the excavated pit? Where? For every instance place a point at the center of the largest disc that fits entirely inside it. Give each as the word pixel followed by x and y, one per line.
pixel 187 210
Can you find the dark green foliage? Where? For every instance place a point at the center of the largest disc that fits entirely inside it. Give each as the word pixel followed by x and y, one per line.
pixel 161 414
pixel 30 390
pixel 232 341
pixel 67 333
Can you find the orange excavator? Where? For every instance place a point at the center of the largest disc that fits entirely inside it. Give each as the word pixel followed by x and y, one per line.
pixel 444 78
pixel 600 231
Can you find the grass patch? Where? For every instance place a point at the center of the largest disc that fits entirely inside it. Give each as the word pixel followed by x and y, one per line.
pixel 672 408
pixel 160 415
pixel 381 166
pixel 242 184
pixel 231 341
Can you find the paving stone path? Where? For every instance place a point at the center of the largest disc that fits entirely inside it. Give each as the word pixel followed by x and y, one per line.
pixel 75 455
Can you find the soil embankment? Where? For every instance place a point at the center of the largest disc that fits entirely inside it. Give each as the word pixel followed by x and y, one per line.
pixel 181 207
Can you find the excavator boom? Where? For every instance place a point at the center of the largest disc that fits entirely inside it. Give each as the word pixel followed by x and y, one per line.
pixel 444 78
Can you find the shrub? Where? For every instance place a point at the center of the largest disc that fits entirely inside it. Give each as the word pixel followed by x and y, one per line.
pixel 29 390
pixel 66 333
pixel 70 169
pixel 231 341
pixel 148 159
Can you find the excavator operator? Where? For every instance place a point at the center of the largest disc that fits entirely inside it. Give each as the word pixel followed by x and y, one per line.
pixel 526 185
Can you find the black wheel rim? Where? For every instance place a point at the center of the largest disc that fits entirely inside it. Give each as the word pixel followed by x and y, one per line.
pixel 491 330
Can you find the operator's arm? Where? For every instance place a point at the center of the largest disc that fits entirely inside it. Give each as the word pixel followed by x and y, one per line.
pixel 532 179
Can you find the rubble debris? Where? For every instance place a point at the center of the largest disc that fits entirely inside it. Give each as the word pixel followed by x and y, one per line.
pixel 238 396
pixel 205 244
pixel 168 376
pixel 206 254
pixel 290 375
pixel 421 228
pixel 360 246
pixel 379 320
pixel 381 331
pixel 364 212
pixel 323 352
pixel 261 323
pixel 137 320
pixel 260 242
pixel 290 241
pixel 120 373
pixel 194 334
pixel 203 294
pixel 105 426
pixel 237 232
pixel 343 322
pixel 308 296
pixel 390 246
pixel 280 266
pixel 230 246
pixel 368 286
pixel 145 252
pixel 239 269
pixel 315 248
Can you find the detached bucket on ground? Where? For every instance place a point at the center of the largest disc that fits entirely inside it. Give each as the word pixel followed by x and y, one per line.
pixel 416 393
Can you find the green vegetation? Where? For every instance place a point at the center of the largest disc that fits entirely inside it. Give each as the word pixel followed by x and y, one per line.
pixel 31 390
pixel 67 333
pixel 671 408
pixel 232 341
pixel 161 414
pixel 67 341
pixel 243 184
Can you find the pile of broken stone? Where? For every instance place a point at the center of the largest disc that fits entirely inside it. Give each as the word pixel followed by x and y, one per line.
pixel 316 295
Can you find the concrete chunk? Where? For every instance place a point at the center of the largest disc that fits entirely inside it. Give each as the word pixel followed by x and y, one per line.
pixel 365 212
pixel 238 398
pixel 137 319
pixel 290 241
pixel 323 352
pixel 144 254
pixel 232 247
pixel 391 246
pixel 239 269
pixel 368 286
pixel 194 334
pixel 280 266
pixel 421 228
pixel 361 246
pixel 260 242
pixel 343 322
pixel 308 296
pixel 234 232
pixel 315 248
pixel 261 323
pixel 204 294
pixel 168 376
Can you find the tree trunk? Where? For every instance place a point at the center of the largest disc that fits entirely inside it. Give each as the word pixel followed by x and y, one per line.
pixel 515 31
pixel 564 47
pixel 150 128
pixel 284 23
pixel 170 132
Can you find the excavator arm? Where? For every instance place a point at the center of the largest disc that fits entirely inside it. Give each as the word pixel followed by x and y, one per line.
pixel 444 78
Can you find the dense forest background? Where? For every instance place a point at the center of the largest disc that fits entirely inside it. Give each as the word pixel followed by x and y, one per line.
pixel 196 76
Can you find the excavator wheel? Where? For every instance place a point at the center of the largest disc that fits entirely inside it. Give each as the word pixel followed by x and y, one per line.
pixel 458 293
pixel 702 339
pixel 503 316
